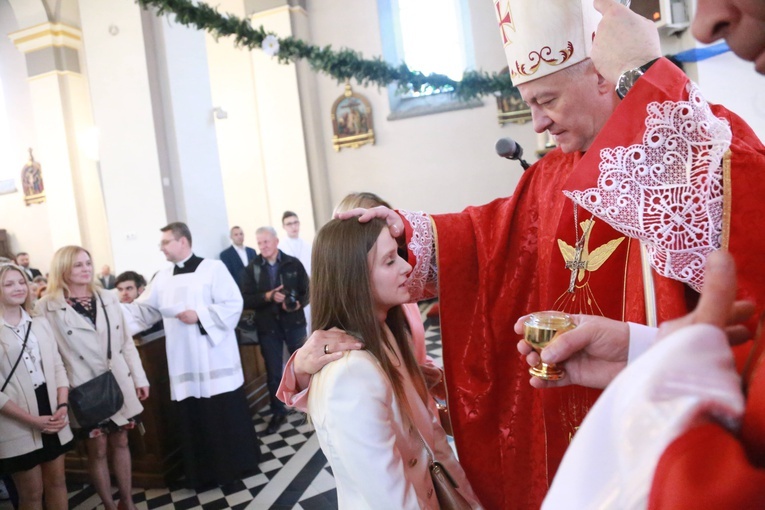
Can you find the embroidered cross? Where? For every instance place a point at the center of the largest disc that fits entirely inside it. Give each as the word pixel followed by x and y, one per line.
pixel 577 264
pixel 506 20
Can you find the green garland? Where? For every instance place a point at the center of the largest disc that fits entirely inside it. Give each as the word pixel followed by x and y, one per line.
pixel 342 64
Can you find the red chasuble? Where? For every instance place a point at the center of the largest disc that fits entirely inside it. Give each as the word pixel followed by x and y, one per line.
pixel 515 256
pixel 501 261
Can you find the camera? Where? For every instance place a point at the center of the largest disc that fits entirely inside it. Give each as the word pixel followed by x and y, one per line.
pixel 290 300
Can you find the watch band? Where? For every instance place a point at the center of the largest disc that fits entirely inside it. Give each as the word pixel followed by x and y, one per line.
pixel 629 77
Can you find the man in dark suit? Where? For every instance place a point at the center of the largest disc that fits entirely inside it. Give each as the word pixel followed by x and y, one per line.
pixel 22 260
pixel 106 278
pixel 237 256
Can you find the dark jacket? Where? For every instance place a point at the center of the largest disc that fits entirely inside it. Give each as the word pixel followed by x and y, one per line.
pixel 256 283
pixel 233 262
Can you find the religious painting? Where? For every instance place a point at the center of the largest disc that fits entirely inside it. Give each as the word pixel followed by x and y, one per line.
pixel 511 108
pixel 32 181
pixel 351 121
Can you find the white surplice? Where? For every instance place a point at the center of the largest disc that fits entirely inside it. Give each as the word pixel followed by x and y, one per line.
pixel 685 379
pixel 200 366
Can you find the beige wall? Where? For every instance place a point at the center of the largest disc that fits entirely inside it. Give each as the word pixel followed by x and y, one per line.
pixel 436 163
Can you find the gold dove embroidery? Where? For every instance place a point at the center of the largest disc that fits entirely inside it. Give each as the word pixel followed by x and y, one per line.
pixel 587 261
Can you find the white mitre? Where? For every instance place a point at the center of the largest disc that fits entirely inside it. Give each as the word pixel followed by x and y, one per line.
pixel 545 36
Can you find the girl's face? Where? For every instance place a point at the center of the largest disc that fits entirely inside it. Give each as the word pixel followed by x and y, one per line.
pixel 15 289
pixel 387 273
pixel 82 270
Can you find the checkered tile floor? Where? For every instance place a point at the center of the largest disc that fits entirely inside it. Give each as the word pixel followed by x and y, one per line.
pixel 294 473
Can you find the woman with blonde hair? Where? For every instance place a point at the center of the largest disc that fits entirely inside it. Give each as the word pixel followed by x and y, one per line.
pixel 34 390
pixel 84 319
pixel 370 408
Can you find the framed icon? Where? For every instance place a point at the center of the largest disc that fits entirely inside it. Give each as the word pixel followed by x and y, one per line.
pixel 351 121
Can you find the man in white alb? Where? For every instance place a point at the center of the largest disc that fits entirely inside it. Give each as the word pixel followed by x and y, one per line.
pixel 200 306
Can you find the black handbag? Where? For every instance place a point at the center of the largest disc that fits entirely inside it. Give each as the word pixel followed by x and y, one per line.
pixel 100 398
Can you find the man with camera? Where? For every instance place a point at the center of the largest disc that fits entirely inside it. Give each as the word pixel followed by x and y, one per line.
pixel 275 286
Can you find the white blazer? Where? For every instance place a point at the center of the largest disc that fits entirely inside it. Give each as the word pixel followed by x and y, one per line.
pixel 377 461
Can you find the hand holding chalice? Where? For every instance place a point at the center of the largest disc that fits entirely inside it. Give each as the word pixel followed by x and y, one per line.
pixel 540 329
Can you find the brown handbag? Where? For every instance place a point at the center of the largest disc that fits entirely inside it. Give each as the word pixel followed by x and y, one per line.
pixel 449 498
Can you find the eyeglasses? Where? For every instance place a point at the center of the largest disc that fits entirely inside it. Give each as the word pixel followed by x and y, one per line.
pixel 165 242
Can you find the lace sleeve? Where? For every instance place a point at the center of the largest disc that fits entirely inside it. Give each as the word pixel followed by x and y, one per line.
pixel 667 191
pixel 421 249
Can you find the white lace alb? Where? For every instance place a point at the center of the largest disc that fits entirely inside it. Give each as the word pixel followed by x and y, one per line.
pixel 667 192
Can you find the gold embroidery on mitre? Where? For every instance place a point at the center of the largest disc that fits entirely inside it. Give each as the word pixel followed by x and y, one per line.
pixel 543 55
pixel 582 299
pixel 505 21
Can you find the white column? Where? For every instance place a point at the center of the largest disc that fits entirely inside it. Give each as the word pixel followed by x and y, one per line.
pixel 127 139
pixel 238 129
pixel 283 140
pixel 183 105
pixel 62 114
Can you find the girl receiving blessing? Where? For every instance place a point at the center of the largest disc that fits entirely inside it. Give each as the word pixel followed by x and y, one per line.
pixel 370 407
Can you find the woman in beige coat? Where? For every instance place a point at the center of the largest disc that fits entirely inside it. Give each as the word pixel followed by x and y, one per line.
pixel 76 309
pixel 34 430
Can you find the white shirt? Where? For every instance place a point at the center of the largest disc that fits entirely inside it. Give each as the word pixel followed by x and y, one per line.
pixel 31 359
pixel 299 249
pixel 242 252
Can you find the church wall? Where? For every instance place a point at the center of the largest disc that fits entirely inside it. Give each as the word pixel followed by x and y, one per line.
pixel 437 163
pixel 282 134
pixel 27 226
pixel 728 80
pixel 239 138
pixel 126 144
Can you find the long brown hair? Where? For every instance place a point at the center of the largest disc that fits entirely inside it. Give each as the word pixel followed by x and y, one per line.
pixel 341 297
pixel 62 264
pixel 27 305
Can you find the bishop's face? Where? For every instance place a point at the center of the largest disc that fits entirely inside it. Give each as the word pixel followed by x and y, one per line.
pixel 740 22
pixel 572 104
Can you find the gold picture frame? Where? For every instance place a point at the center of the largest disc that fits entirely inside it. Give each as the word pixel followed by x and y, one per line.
pixel 512 108
pixel 32 181
pixel 351 121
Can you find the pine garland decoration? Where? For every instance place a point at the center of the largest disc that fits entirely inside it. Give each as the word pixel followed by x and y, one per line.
pixel 342 64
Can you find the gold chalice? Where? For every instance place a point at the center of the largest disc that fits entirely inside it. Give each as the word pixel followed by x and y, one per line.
pixel 540 329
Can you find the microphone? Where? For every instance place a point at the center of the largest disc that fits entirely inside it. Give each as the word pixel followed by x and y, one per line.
pixel 509 149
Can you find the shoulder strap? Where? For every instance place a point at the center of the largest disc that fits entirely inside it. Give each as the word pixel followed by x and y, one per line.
pixel 21 354
pixel 108 332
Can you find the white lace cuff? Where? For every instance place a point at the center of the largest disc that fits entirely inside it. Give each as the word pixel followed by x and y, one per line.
pixel 667 192
pixel 423 280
